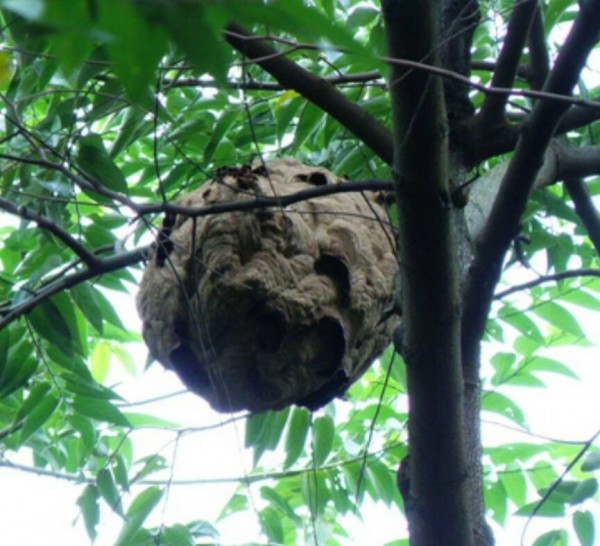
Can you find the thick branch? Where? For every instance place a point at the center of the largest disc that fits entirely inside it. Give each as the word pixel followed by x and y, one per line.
pixel 438 469
pixel 503 223
pixel 539 59
pixel 317 90
pixel 492 110
pixel 483 146
pixel 579 162
pixel 585 209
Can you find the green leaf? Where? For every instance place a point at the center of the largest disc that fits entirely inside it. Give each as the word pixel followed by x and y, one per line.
pixel 551 538
pixel 120 471
pixel 297 431
pixel 95 161
pixel 323 433
pixel 108 490
pixel 201 528
pixel 125 358
pixel 582 298
pixel 270 523
pixel 315 491
pixel 40 414
pixel 152 463
pixel 496 501
pixel 86 430
pixel 99 361
pixel 276 500
pixel 309 120
pixel 101 410
pixel 545 364
pixel 72 44
pixel 137 513
pixel 143 420
pixel 559 317
pixel 513 480
pixel 383 482
pixel 187 21
pixel 591 462
pixel 36 394
pixel 295 17
pixel 521 321
pixel 583 523
pixel 135 45
pixel 361 17
pixel 264 430
pixel 20 366
pixel 52 323
pixel 236 504
pixel 4 345
pixel 554 11
pixel 498 403
pixel 88 503
pixel 177 535
pixel 85 298
pixel 548 509
pixel 132 128
pixel 255 427
pixel 584 490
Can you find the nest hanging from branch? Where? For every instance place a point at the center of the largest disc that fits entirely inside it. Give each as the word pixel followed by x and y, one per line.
pixel 258 310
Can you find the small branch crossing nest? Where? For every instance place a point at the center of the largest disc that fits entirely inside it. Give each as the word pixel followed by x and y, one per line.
pixel 258 310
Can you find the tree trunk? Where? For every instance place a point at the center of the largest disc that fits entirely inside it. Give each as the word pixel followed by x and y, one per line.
pixel 438 508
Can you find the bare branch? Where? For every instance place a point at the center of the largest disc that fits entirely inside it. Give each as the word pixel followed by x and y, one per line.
pixel 547 278
pixel 539 60
pixel 483 146
pixel 361 78
pixel 263 201
pixel 585 209
pixel 492 110
pixel 503 223
pixel 45 223
pixel 317 90
pixel 579 162
pixel 585 448
pixel 102 266
pixel 84 181
pixel 64 283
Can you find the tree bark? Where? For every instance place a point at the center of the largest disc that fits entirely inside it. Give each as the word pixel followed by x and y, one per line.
pixel 439 513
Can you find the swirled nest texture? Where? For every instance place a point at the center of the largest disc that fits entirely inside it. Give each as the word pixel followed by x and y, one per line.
pixel 261 309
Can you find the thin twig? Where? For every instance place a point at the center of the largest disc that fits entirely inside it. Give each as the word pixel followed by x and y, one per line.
pixel 558 481
pixel 45 223
pixel 548 278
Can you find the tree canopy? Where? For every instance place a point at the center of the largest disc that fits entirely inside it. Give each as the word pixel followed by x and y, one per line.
pixel 479 117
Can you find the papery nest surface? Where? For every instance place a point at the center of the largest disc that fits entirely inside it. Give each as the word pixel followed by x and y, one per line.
pixel 261 309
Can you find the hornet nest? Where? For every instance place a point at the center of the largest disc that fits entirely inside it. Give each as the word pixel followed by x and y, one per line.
pixel 261 309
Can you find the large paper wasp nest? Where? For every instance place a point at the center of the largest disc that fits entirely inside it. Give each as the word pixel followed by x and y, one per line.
pixel 261 309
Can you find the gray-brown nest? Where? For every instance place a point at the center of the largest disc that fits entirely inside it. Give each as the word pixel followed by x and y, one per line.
pixel 261 309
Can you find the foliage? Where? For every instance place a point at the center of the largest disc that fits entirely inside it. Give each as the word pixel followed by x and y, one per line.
pixel 112 108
